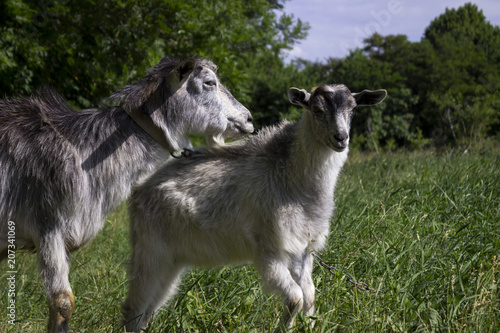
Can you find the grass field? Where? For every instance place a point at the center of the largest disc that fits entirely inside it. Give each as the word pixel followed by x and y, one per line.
pixel 422 227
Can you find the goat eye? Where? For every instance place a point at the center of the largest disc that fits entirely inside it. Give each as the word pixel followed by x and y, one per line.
pixel 210 83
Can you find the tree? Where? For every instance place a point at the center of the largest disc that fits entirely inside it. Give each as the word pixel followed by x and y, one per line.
pixel 86 49
pixel 79 48
pixel 444 88
pixel 382 63
pixel 463 74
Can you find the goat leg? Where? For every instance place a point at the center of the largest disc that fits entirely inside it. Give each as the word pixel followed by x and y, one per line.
pixel 53 260
pixel 277 277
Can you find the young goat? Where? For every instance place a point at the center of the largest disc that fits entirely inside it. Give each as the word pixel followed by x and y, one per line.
pixel 267 199
pixel 62 171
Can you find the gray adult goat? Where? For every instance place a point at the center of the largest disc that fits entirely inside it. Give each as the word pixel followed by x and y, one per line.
pixel 267 199
pixel 63 171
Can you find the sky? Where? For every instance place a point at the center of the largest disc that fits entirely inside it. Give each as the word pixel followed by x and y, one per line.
pixel 336 26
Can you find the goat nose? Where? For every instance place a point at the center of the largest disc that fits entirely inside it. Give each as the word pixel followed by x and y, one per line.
pixel 250 119
pixel 341 137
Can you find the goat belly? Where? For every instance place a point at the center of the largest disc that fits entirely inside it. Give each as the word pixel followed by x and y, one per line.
pixel 214 247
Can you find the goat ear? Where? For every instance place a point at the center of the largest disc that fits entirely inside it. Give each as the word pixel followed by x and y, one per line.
pixel 184 68
pixel 369 97
pixel 298 96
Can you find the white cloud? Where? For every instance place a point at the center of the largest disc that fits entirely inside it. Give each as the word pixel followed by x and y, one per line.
pixel 295 52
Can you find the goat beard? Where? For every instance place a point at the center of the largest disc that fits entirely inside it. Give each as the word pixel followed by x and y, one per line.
pixel 216 140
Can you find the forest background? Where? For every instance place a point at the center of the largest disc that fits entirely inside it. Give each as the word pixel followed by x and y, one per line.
pixel 443 89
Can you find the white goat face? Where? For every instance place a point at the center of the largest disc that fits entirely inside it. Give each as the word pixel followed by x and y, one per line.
pixel 332 108
pixel 226 116
pixel 188 96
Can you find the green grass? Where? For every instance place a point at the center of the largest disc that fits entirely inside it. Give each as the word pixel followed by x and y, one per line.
pixel 422 227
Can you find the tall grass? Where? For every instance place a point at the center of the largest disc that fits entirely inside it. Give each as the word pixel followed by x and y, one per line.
pixel 423 228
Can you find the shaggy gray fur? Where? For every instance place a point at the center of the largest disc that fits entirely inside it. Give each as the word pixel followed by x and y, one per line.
pixel 62 171
pixel 267 199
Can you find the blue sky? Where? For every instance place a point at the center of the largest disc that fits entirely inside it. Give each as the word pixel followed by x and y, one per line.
pixel 340 25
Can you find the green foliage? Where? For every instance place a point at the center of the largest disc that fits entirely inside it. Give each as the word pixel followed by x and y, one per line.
pixel 442 90
pixel 422 227
pixel 466 64
pixel 73 46
pixel 271 80
pixel 87 49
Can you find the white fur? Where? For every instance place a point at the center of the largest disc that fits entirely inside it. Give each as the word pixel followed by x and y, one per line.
pixel 267 200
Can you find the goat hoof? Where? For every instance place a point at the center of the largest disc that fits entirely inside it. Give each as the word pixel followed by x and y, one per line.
pixel 61 310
